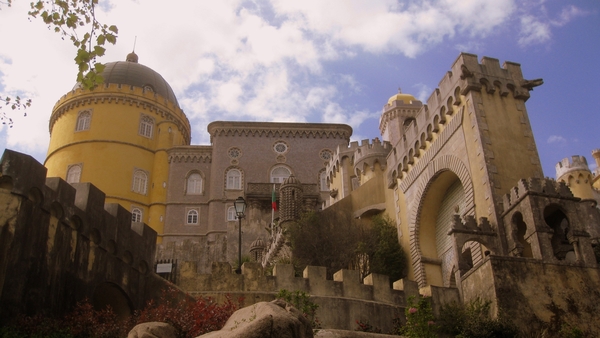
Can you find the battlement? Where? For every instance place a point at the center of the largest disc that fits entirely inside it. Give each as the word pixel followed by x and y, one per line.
pixel 368 153
pixel 576 162
pixel 61 243
pixel 81 207
pixel 345 283
pixel 190 154
pixel 536 186
pixel 122 94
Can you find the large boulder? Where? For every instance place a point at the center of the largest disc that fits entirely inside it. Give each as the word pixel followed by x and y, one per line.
pixel 153 330
pixel 263 320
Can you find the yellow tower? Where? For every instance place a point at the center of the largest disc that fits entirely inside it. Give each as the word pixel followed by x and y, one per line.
pixel 577 175
pixel 117 136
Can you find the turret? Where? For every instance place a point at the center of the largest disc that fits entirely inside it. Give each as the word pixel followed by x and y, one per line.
pixel 576 174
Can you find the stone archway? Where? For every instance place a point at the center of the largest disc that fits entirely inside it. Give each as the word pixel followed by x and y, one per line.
pixel 111 295
pixel 438 176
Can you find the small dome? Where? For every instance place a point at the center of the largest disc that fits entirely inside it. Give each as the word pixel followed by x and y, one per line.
pixel 257 244
pixel 132 73
pixel 407 98
pixel 291 180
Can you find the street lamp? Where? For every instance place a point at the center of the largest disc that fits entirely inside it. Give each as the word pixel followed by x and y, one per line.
pixel 240 208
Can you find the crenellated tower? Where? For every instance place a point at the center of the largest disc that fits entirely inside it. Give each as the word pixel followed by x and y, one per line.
pixel 576 174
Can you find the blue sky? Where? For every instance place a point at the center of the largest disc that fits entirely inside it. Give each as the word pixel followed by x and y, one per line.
pixel 335 61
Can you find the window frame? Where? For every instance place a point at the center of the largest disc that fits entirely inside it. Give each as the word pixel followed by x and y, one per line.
pixel 137 217
pixel 146 126
pixel 198 187
pixel 230 212
pixel 236 184
pixel 194 214
pixel 73 167
pixel 84 120
pixel 271 177
pixel 139 184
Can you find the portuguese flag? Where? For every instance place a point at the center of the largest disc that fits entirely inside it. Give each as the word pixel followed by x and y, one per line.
pixel 273 199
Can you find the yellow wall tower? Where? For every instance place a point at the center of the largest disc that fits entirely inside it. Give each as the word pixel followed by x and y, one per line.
pixel 117 136
pixel 576 174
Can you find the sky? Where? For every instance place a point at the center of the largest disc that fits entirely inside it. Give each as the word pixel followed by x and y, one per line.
pixel 332 61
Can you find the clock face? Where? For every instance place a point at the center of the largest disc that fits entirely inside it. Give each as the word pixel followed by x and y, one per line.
pixel 326 154
pixel 234 152
pixel 280 147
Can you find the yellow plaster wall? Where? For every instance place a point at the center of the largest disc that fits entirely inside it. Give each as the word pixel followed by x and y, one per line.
pixel 113 138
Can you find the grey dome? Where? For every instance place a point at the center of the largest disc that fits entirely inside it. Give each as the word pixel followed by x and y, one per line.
pixel 134 74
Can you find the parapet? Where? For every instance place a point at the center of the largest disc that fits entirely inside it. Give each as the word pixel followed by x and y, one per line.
pixel 125 95
pixel 81 207
pixel 536 186
pixel 369 153
pixel 345 284
pixel 577 162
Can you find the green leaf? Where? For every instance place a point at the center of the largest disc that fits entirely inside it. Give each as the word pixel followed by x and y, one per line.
pixel 113 29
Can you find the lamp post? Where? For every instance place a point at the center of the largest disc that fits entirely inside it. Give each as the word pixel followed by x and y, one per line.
pixel 240 208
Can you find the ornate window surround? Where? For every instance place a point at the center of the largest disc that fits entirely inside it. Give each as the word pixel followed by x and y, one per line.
pixel 84 119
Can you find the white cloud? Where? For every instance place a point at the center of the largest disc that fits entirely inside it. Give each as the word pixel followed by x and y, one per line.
pixel 533 31
pixel 556 139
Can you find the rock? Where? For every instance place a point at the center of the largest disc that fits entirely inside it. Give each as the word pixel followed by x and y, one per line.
pixel 153 330
pixel 265 319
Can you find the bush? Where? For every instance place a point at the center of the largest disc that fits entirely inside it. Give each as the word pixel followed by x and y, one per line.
pixel 419 319
pixel 473 320
pixel 301 301
pixel 190 317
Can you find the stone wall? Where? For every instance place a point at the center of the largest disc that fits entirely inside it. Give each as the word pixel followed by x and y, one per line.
pixel 60 244
pixel 535 294
pixel 342 301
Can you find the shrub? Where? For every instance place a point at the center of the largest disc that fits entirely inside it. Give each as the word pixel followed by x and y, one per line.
pixel 190 317
pixel 473 320
pixel 301 301
pixel 366 327
pixel 419 319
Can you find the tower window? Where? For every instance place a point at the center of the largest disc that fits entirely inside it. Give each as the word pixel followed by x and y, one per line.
pixel 146 126
pixel 83 120
pixel 136 215
pixel 279 174
pixel 194 184
pixel 140 182
pixel 234 179
pixel 323 181
pixel 231 215
pixel 74 173
pixel 192 217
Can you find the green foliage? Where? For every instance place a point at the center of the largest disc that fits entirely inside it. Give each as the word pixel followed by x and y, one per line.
pixel 419 319
pixel 301 301
pixel 473 320
pixel 568 331
pixel 383 249
pixel 326 239
pixel 15 104
pixel 76 21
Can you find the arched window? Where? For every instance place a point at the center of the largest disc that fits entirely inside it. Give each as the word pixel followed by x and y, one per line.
pixel 136 215
pixel 194 184
pixel 140 181
pixel 234 179
pixel 279 174
pixel 192 217
pixel 323 181
pixel 146 126
pixel 83 120
pixel 74 173
pixel 231 215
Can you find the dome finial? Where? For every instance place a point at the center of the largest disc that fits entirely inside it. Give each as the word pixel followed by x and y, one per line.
pixel 132 57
